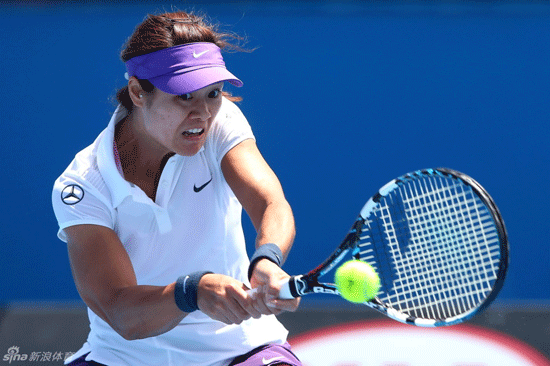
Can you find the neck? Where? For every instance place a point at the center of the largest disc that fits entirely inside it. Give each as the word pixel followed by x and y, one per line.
pixel 136 148
pixel 142 161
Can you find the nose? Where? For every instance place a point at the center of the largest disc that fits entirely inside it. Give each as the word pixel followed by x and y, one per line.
pixel 201 109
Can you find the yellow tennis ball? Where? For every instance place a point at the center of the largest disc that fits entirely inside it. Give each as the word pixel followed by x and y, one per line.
pixel 357 281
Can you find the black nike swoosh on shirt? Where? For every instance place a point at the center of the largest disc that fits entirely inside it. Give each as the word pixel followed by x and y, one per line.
pixel 198 189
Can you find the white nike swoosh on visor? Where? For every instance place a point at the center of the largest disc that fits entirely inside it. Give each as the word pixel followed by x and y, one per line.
pixel 197 55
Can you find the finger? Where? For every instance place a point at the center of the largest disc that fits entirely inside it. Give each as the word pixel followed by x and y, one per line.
pixel 273 287
pixel 228 311
pixel 284 305
pixel 224 319
pixel 242 304
pixel 239 312
pixel 220 316
pixel 257 308
pixel 252 307
pixel 259 302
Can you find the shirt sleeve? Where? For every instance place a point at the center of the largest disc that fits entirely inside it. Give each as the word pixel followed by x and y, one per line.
pixel 77 202
pixel 229 129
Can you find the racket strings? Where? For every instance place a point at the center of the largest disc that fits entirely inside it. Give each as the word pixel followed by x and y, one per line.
pixel 435 245
pixel 454 266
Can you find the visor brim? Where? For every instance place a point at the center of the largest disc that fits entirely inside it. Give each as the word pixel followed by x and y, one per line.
pixel 191 81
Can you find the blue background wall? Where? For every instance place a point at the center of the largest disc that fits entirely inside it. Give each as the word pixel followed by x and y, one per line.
pixel 342 97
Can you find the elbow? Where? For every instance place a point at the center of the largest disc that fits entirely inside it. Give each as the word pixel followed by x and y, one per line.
pixel 129 328
pixel 140 330
pixel 129 332
pixel 116 319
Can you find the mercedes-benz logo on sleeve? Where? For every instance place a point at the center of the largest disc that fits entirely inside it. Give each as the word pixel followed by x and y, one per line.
pixel 72 194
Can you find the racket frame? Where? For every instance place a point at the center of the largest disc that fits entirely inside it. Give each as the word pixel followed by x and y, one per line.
pixel 309 283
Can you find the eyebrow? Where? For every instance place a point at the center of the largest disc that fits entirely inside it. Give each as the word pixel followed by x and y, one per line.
pixel 221 85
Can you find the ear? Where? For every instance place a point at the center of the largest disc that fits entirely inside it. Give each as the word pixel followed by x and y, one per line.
pixel 137 94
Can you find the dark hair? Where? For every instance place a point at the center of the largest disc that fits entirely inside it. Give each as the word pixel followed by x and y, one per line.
pixel 166 30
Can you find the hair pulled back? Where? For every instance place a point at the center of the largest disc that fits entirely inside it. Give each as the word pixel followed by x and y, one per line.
pixel 167 30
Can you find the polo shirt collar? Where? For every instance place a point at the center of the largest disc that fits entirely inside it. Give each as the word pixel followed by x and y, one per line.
pixel 118 186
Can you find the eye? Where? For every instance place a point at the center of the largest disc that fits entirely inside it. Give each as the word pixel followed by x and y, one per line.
pixel 187 96
pixel 214 93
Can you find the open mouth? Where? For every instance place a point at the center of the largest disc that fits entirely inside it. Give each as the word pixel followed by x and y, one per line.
pixel 193 132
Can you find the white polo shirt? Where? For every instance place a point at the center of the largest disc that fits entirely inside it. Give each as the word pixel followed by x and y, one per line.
pixel 195 224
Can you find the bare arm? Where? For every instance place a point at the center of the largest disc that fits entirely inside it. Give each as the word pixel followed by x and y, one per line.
pixel 260 192
pixel 106 281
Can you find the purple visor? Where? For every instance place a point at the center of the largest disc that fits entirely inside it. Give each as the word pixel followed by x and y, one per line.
pixel 182 69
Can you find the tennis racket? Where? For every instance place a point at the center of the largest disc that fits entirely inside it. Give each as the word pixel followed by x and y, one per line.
pixel 438 243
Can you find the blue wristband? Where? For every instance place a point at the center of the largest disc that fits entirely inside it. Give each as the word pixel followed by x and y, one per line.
pixel 186 291
pixel 268 251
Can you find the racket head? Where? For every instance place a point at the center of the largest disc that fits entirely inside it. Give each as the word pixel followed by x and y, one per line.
pixel 439 245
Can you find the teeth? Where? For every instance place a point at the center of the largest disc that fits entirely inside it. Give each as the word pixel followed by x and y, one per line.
pixel 194 131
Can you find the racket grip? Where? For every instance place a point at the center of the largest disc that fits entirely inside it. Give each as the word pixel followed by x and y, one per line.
pixel 284 290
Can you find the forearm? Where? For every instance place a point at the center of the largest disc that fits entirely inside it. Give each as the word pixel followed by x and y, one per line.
pixel 137 312
pixel 276 226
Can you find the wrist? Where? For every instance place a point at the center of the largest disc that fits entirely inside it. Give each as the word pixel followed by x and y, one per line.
pixel 185 293
pixel 268 251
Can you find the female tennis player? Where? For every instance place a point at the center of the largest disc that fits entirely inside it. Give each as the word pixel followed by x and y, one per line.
pixel 151 214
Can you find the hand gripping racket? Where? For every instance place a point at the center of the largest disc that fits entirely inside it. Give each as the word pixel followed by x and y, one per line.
pixel 438 243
